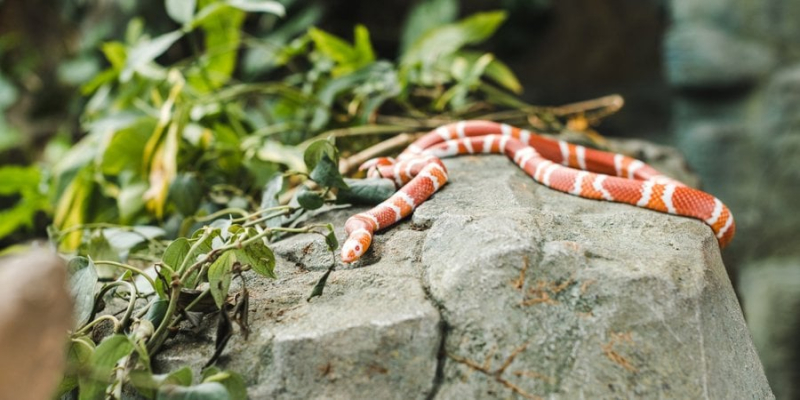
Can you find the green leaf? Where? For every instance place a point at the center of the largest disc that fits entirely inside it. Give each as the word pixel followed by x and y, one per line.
pixel 348 58
pixel 500 73
pixel 283 43
pixel 449 38
pixel 125 150
pixel 317 150
pixel 277 152
pixel 378 79
pixel 130 201
pixel 332 46
pixel 107 354
pixel 203 391
pixel 366 191
pixel 181 377
pixel 178 251
pixel 181 11
pixel 23 181
pixel 175 253
pixel 326 173
pixel 496 69
pixel 260 258
pixel 157 311
pixel 222 39
pixel 15 179
pixel 99 248
pixel 309 199
pixel 362 46
pixel 186 193
pixel 79 70
pixel 146 51
pixel 320 286
pixel 270 197
pixel 219 277
pixel 21 215
pixel 82 282
pixel 126 239
pixel 330 238
pixel 233 382
pixel 424 17
pixel 73 207
pixel 79 353
pixel 115 53
pixel 266 6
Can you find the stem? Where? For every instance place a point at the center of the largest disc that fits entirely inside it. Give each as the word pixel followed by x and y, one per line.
pixel 131 304
pixel 263 210
pixel 134 295
pixel 355 131
pixel 220 213
pixel 159 336
pixel 196 301
pixel 129 268
pixel 386 146
pixel 268 217
pixel 146 308
pixel 96 321
pixel 192 250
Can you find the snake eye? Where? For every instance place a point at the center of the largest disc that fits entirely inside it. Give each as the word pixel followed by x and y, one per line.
pixel 358 248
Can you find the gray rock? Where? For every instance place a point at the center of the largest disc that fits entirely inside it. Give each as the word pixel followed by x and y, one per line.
pixel 700 56
pixel 718 12
pixel 772 290
pixel 35 314
pixel 500 288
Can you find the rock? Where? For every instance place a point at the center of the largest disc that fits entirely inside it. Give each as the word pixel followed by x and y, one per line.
pixel 703 11
pixel 499 288
pixel 772 290
pixel 35 315
pixel 699 56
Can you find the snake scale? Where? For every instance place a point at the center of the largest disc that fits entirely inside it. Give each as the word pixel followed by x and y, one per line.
pixel 418 173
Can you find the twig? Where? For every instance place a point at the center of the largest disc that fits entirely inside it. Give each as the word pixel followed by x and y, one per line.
pixel 349 164
pixel 129 268
pixel 355 131
pixel 605 105
pixel 413 123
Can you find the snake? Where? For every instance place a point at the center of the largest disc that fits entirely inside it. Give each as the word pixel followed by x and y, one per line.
pixel 418 173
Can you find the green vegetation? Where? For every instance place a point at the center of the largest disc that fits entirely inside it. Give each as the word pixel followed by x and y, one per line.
pixel 193 161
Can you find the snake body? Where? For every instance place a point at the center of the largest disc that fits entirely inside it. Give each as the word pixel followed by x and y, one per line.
pixel 593 174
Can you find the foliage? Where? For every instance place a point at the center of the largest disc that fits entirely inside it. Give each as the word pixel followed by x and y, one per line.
pixel 192 163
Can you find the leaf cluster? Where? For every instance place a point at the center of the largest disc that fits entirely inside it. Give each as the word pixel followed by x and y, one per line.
pixel 208 137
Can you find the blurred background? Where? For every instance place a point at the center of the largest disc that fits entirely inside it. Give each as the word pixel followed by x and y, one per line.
pixel 718 79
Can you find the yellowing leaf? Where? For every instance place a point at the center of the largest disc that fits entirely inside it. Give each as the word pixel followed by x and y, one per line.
pixel 163 169
pixel 71 208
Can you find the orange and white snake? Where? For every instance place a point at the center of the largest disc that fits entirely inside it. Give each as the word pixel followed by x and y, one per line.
pixel 418 173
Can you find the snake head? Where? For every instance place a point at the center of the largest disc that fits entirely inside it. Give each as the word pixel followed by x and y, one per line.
pixel 356 245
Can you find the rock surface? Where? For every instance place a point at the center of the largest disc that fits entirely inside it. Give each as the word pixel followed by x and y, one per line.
pixel 772 290
pixel 702 57
pixel 35 311
pixel 499 288
pixel 743 141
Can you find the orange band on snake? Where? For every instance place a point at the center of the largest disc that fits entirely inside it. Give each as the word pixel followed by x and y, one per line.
pixel 559 165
